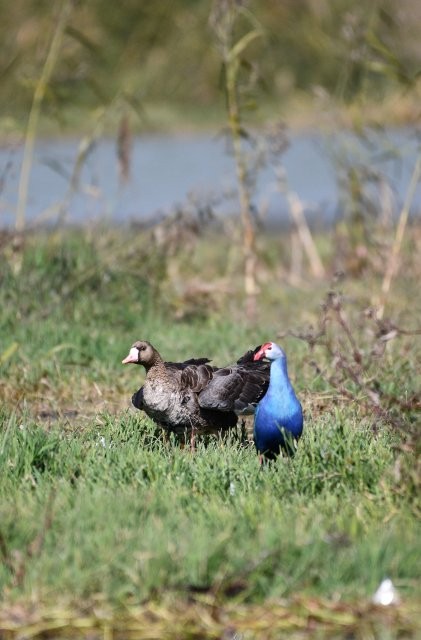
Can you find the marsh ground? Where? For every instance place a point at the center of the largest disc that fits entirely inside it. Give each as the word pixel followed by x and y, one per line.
pixel 105 528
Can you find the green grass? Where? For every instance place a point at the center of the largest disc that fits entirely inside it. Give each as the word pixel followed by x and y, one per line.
pixel 94 504
pixel 133 516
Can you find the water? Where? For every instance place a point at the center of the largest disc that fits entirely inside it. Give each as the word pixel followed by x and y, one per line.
pixel 166 169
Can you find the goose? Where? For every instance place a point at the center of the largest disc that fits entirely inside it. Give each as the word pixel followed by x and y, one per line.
pixel 194 397
pixel 278 419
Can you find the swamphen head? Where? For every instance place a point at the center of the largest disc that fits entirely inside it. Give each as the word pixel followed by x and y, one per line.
pixel 269 350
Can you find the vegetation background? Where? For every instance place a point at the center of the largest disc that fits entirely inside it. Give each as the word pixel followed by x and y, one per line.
pixel 106 529
pixel 162 58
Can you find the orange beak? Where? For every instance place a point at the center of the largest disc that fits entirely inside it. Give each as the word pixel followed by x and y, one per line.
pixel 260 354
pixel 262 351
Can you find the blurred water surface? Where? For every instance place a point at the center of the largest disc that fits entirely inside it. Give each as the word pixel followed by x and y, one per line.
pixel 167 171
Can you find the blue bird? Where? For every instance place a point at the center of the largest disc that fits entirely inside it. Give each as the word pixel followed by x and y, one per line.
pixel 278 419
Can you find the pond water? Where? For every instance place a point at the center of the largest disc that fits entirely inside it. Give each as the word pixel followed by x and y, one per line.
pixel 167 170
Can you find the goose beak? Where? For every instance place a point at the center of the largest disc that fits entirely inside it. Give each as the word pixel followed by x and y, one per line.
pixel 132 357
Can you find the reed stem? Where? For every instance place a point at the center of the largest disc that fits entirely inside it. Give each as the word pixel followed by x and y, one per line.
pixel 393 264
pixel 34 113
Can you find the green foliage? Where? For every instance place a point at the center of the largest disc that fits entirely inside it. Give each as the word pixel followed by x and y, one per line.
pixel 162 54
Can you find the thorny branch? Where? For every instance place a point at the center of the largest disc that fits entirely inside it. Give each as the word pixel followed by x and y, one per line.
pixel 349 362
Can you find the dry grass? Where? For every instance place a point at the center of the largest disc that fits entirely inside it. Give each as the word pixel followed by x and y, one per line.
pixel 206 617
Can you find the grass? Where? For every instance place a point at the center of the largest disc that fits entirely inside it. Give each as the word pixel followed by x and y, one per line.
pixel 105 528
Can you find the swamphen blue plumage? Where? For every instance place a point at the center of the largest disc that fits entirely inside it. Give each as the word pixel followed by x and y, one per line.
pixel 278 420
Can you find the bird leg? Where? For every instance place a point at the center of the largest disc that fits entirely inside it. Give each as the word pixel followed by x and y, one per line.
pixel 192 436
pixel 193 439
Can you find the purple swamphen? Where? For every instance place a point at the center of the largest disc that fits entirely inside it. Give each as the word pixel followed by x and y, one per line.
pixel 278 419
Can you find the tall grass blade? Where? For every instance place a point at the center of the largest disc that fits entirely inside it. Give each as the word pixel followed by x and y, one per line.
pixel 7 353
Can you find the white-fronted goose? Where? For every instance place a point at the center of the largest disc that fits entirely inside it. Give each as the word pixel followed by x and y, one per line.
pixel 193 396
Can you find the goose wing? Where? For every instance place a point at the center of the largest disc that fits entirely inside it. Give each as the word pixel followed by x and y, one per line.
pixel 137 399
pixel 183 365
pixel 237 388
pixel 196 377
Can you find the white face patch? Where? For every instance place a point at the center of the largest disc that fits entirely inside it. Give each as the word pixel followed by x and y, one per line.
pixel 134 354
pixel 132 357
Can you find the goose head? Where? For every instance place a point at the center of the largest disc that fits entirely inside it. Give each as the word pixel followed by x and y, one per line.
pixel 142 352
pixel 269 350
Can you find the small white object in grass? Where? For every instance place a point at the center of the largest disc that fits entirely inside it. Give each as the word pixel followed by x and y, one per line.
pixel 386 594
pixel 232 489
